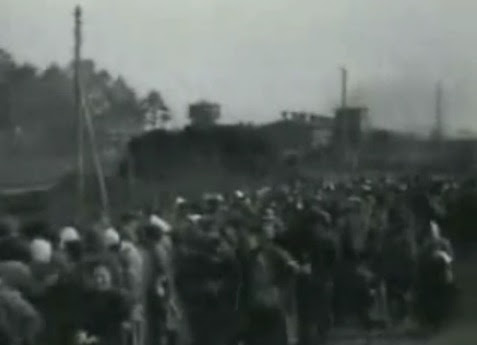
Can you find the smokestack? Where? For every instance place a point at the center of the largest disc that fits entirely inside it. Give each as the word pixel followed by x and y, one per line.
pixel 439 114
pixel 344 82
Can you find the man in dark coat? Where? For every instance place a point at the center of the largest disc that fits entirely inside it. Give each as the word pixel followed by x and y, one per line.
pixel 107 308
pixel 267 270
pixel 161 303
pixel 315 291
pixel 19 321
pixel 207 279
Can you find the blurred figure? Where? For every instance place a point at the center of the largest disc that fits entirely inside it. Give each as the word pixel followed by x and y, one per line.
pixel 206 277
pixel 435 290
pixel 435 286
pixel 267 270
pixel 70 251
pixel 13 247
pixel 20 323
pixel 17 275
pixel 399 264
pixel 107 308
pixel 315 290
pixel 61 303
pixel 434 241
pixel 44 272
pixel 162 308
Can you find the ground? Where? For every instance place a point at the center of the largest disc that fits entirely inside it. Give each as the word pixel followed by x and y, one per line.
pixel 462 330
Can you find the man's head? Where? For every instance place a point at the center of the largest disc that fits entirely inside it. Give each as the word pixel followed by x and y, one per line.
pixel 68 234
pixel 111 239
pixel 41 251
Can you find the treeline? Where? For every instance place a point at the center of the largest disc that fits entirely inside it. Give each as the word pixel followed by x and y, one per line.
pixel 38 104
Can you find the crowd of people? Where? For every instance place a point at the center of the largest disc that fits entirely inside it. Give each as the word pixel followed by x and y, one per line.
pixel 279 265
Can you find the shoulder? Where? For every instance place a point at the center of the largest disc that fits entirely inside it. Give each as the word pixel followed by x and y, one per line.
pixel 131 252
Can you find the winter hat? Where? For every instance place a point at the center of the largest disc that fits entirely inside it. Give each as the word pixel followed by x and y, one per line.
pixel 41 250
pixel 68 234
pixel 111 238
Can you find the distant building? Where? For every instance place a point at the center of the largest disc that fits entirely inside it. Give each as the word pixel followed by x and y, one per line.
pixel 319 127
pixel 204 114
pixel 322 130
pixel 300 131
pixel 321 137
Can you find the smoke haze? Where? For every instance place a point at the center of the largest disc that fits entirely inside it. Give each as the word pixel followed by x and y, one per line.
pixel 258 58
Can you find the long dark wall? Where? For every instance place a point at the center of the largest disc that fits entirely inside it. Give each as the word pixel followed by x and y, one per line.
pixel 228 149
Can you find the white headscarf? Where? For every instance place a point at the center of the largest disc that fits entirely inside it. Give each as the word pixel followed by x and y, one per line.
pixel 41 250
pixel 68 234
pixel 160 223
pixel 111 237
pixel 239 194
pixel 435 230
pixel 180 201
pixel 443 255
pixel 194 218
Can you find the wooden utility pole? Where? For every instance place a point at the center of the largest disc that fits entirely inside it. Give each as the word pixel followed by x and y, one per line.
pixel 78 111
pixel 96 158
pixel 344 116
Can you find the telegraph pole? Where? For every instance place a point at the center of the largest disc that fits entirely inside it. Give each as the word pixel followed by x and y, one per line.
pixel 344 121
pixel 78 110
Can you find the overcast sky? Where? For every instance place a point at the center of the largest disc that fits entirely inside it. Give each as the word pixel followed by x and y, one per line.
pixel 258 57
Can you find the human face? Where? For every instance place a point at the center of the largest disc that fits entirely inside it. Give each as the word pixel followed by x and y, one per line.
pixel 102 279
